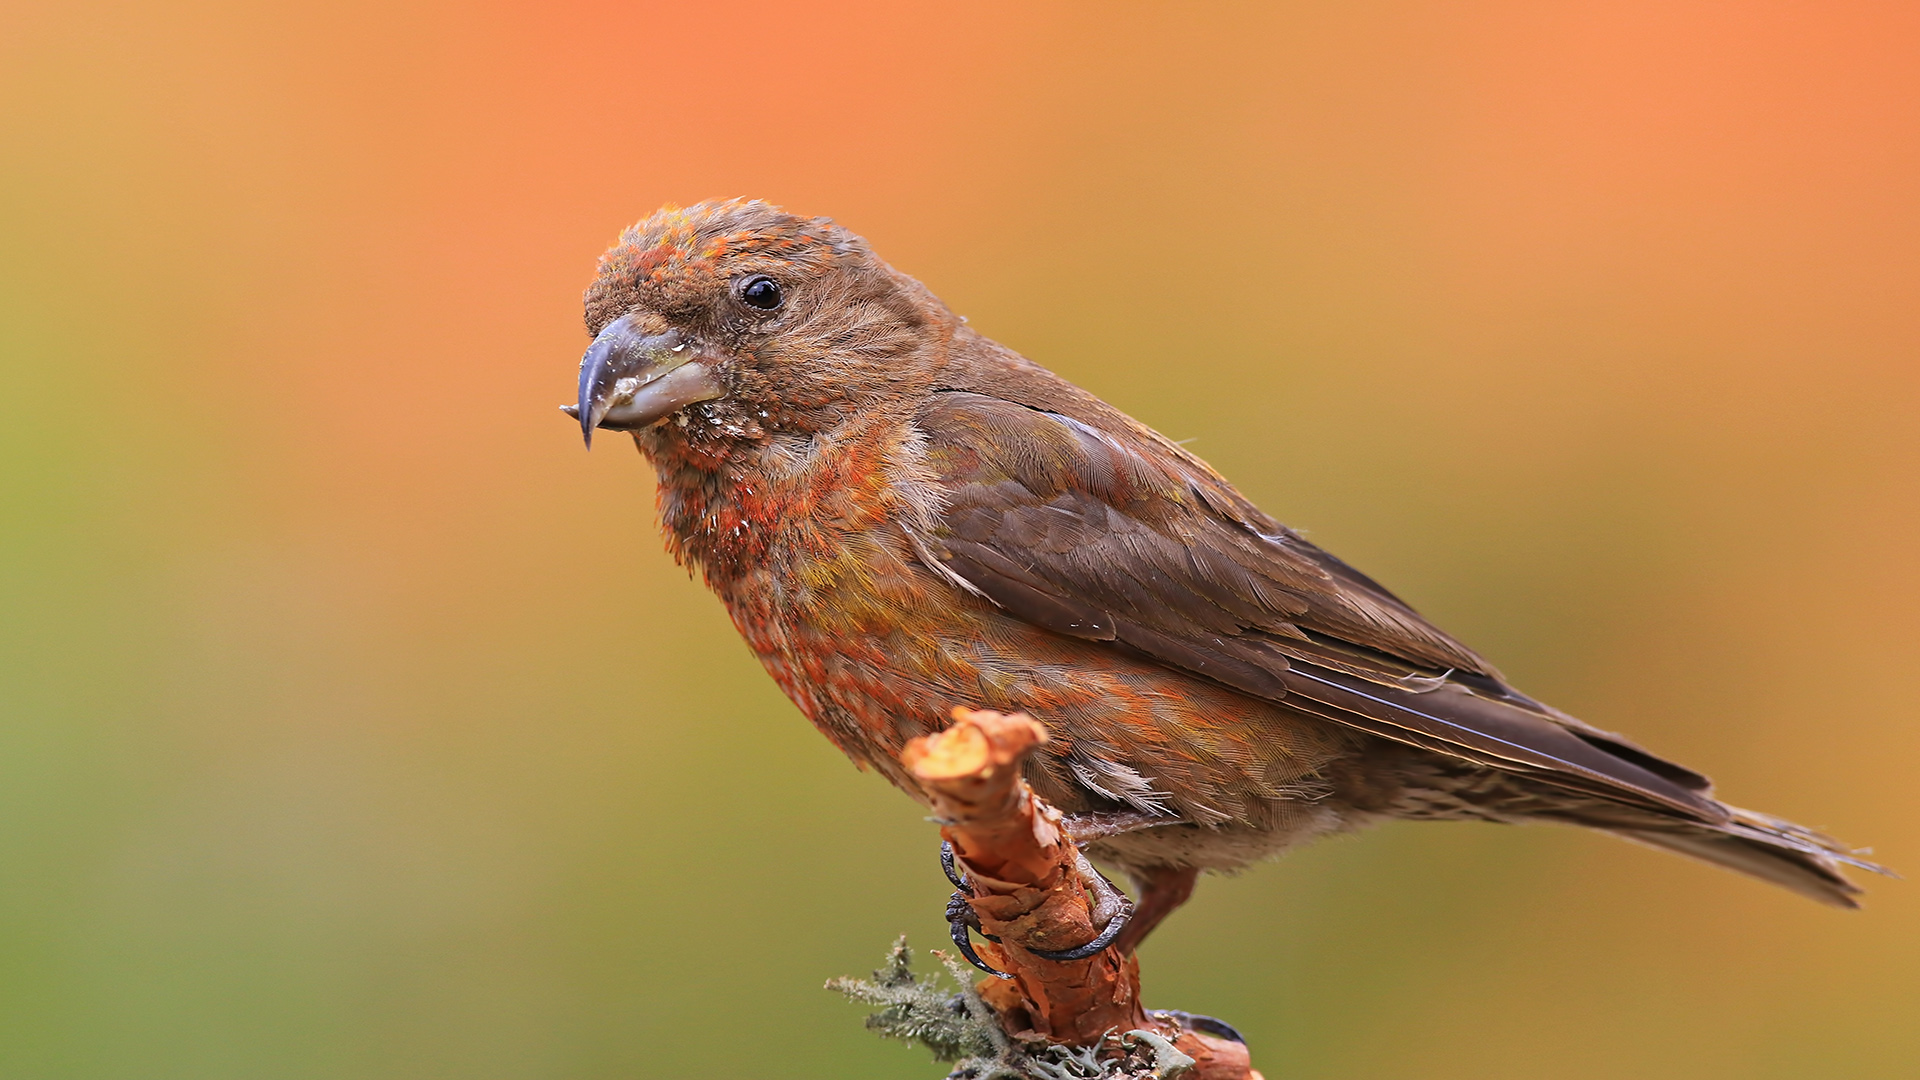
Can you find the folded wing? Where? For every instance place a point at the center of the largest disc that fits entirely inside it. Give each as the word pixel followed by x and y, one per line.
pixel 1100 535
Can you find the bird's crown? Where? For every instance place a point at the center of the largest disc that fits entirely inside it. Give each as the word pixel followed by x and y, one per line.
pixel 679 255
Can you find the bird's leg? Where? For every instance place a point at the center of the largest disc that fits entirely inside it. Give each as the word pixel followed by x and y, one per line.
pixel 1110 910
pixel 1161 891
pixel 961 918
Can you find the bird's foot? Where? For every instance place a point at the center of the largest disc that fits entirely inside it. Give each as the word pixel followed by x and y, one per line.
pixel 1111 910
pixel 1205 1025
pixel 961 919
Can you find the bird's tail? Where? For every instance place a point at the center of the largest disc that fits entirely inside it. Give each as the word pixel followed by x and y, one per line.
pixel 1769 848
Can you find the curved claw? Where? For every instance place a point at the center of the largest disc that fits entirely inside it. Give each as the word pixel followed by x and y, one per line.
pixel 958 909
pixel 961 941
pixel 960 916
pixel 1081 952
pixel 958 929
pixel 1106 902
pixel 946 864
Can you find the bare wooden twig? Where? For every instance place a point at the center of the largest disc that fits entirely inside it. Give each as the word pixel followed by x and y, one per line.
pixel 1030 891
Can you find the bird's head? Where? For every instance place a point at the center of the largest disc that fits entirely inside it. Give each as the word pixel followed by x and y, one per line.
pixel 735 319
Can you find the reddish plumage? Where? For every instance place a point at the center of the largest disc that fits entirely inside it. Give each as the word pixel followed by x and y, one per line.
pixel 902 516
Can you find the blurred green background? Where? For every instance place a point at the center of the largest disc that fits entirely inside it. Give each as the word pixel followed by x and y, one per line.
pixel 353 723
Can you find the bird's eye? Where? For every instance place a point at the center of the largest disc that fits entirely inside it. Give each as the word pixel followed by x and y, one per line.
pixel 762 293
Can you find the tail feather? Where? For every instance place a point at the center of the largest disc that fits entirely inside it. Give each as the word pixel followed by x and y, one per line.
pixel 1768 848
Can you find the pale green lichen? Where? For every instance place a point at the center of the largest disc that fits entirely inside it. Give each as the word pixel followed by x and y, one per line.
pixel 959 1027
pixel 950 1021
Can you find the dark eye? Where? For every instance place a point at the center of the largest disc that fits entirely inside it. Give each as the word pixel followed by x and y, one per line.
pixel 762 293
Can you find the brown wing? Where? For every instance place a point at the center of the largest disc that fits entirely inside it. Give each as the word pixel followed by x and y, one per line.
pixel 1104 531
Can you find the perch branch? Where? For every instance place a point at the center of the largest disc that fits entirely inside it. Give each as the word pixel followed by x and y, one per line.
pixel 1029 891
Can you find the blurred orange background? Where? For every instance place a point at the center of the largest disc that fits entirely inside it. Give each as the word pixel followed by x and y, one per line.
pixel 354 724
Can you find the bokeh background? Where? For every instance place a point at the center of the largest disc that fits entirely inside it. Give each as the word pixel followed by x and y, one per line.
pixel 353 723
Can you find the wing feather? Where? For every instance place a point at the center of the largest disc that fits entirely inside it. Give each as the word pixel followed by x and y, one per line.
pixel 1107 533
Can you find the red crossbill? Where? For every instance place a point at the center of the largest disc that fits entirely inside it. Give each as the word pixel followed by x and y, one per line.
pixel 903 516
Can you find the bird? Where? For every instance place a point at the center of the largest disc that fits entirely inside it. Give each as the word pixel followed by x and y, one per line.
pixel 902 516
